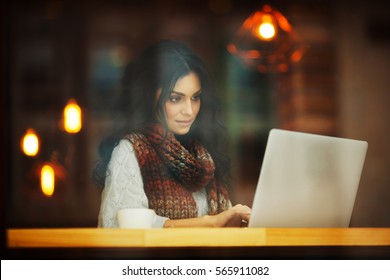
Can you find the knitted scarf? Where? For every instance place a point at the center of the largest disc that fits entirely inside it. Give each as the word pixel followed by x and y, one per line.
pixel 172 172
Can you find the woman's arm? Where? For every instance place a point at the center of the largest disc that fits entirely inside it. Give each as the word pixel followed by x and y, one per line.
pixel 237 216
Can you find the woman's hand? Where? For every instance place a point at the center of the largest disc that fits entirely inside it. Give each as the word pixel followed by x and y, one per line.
pixel 237 216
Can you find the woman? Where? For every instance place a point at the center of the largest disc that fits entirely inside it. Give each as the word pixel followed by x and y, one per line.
pixel 163 152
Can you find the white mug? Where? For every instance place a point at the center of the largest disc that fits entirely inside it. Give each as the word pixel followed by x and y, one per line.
pixel 135 218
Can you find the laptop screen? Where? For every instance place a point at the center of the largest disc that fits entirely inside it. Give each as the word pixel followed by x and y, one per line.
pixel 307 180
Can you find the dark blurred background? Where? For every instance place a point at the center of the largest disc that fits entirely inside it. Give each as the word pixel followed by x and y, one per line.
pixel 54 51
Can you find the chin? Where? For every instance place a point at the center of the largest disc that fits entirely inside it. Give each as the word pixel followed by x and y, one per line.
pixel 181 131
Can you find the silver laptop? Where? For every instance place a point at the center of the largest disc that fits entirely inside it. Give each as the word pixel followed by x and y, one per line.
pixel 307 180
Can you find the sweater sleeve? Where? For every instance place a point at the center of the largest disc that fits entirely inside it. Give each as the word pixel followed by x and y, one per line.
pixel 124 187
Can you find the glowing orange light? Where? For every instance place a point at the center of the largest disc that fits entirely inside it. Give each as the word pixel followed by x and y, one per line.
pixel 232 48
pixel 297 55
pixel 47 180
pixel 253 54
pixel 283 22
pixel 30 143
pixel 266 31
pixel 72 117
pixel 267 42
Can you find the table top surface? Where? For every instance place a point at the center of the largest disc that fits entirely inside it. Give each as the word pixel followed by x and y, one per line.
pixel 196 237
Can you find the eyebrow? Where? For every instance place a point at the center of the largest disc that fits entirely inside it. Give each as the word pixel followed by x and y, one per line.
pixel 183 94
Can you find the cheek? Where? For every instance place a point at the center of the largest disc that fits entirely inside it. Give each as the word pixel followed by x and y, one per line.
pixel 197 108
pixel 170 111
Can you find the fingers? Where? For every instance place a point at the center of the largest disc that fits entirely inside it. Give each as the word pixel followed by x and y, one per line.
pixel 243 211
pixel 237 216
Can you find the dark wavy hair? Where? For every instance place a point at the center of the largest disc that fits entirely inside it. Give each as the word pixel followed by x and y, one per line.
pixel 159 67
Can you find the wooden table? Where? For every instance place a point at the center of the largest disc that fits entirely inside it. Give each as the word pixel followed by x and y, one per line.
pixel 200 243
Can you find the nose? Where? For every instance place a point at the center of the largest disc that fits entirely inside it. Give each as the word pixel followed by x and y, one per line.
pixel 187 108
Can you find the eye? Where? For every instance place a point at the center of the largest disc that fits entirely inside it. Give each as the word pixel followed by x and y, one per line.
pixel 196 97
pixel 175 99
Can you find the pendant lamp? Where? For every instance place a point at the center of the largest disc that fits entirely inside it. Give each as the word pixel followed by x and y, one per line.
pixel 267 42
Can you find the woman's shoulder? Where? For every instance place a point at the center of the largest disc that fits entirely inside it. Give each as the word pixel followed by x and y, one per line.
pixel 124 145
pixel 135 138
pixel 123 154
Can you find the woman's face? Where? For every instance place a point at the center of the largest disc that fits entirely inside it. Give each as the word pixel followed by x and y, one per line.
pixel 183 104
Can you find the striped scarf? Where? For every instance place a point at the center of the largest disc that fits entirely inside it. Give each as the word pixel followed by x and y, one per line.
pixel 172 172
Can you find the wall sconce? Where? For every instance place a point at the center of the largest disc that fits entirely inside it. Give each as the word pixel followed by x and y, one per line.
pixel 72 117
pixel 51 173
pixel 30 143
pixel 47 180
pixel 267 42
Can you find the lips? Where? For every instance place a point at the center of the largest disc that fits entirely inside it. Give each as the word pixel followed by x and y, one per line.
pixel 185 122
